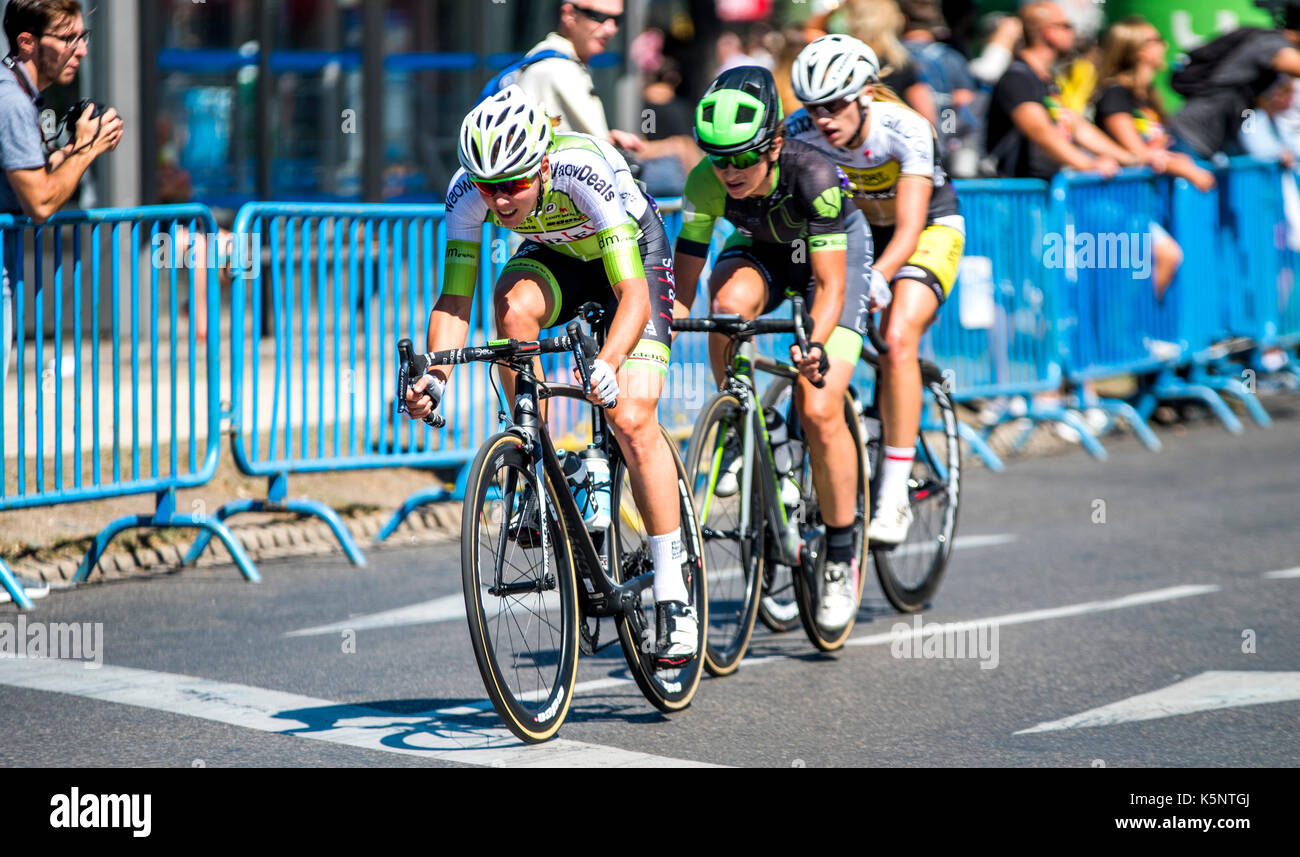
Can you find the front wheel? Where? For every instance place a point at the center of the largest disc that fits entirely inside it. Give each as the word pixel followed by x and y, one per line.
pixel 807 576
pixel 733 559
pixel 667 689
pixel 520 593
pixel 910 573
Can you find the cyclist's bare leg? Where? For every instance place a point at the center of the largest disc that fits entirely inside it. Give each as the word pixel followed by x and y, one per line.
pixel 821 413
pixel 736 286
pixel 521 306
pixel 649 461
pixel 903 323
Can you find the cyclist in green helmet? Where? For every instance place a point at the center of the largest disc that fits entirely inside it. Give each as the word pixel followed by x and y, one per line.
pixel 796 233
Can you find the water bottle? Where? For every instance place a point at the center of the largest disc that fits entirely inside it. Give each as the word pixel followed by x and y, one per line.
pixel 598 499
pixel 793 538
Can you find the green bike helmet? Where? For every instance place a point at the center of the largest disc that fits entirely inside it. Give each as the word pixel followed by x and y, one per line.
pixel 740 112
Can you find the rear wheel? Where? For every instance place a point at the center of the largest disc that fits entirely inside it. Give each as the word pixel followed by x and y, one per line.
pixel 667 689
pixel 733 560
pixel 520 596
pixel 910 573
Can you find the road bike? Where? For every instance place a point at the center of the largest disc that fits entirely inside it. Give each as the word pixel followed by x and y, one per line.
pixel 769 518
pixel 536 580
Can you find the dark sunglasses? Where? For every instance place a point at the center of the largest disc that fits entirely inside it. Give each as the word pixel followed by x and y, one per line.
pixel 598 17
pixel 509 187
pixel 827 109
pixel 743 161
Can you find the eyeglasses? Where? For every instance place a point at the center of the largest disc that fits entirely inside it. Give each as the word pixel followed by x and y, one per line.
pixel 508 187
pixel 743 161
pixel 827 109
pixel 72 39
pixel 598 17
pixel 1064 25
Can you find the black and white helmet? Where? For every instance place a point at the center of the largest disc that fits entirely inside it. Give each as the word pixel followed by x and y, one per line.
pixel 833 67
pixel 504 136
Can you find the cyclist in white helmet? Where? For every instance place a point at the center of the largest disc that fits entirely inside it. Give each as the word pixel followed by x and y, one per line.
pixel 590 234
pixel 891 155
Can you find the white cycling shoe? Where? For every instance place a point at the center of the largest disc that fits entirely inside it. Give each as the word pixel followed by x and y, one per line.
pixel 839 599
pixel 729 478
pixel 890 523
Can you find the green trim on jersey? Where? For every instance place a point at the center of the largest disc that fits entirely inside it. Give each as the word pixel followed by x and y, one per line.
pixel 837 241
pixel 830 203
pixel 844 344
pixel 545 277
pixel 621 253
pixel 460 269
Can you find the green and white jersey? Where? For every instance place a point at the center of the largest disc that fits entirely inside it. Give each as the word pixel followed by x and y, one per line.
pixel 590 209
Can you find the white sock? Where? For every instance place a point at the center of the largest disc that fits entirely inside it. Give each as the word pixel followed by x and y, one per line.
pixel 893 475
pixel 666 553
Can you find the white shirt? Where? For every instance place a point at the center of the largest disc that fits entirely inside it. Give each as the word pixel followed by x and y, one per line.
pixel 563 87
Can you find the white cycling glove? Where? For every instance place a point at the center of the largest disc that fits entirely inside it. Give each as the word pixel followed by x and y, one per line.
pixel 434 390
pixel 604 382
pixel 879 292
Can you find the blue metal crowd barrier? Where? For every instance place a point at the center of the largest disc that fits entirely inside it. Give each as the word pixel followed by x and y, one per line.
pixel 340 285
pixel 104 412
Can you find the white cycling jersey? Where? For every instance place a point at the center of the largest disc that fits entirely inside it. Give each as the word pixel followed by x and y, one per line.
pixel 899 142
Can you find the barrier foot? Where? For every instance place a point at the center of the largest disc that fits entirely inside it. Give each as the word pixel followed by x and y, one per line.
pixel 210 528
pixel 415 501
pixel 276 502
pixel 1130 415
pixel 980 447
pixel 14 588
pixel 1235 387
pixel 1056 413
pixel 205 536
pixel 1176 388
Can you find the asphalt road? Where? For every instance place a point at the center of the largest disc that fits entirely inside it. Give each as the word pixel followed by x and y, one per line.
pixel 1159 612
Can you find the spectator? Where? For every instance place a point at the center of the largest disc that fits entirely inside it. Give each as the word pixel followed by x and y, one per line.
pixel 563 85
pixel 1264 137
pixel 1129 109
pixel 879 23
pixel 47 42
pixel 1030 133
pixel 1005 33
pixel 946 73
pixel 1223 78
pixel 730 52
pixel 669 129
pixel 791 43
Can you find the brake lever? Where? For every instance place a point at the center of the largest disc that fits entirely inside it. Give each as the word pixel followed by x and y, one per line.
pixel 584 344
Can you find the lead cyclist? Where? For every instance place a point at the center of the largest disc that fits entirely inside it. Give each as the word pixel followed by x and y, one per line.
pixel 590 234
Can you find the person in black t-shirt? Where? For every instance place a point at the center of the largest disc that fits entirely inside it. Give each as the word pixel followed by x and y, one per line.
pixel 1030 132
pixel 1248 62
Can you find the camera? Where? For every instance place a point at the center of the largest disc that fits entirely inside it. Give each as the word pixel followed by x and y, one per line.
pixel 74 113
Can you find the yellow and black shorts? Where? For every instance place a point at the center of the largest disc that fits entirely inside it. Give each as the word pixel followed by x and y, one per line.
pixel 938 253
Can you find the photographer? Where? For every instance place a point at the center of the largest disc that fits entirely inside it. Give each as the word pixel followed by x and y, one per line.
pixel 47 43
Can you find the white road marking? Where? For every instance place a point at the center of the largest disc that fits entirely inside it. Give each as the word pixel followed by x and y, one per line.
pixel 1208 691
pixel 452 607
pixel 1135 600
pixel 423 734
pixel 1283 574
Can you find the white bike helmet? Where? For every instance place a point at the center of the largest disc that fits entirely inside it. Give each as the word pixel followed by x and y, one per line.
pixel 504 136
pixel 833 67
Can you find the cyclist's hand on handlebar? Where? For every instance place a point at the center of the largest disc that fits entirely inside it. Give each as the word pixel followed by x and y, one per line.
pixel 603 389
pixel 423 396
pixel 879 294
pixel 810 364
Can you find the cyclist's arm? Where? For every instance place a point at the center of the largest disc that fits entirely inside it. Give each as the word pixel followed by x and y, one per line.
pixel 622 258
pixel 828 263
pixel 703 202
pixel 910 208
pixel 449 319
